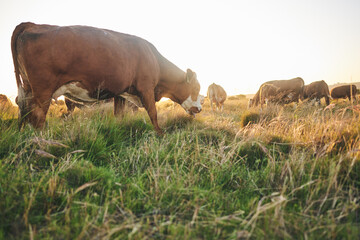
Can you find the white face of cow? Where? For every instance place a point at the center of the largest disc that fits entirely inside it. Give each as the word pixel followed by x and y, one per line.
pixel 192 104
pixel 193 107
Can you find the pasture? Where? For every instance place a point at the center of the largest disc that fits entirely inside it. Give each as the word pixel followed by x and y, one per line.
pixel 283 172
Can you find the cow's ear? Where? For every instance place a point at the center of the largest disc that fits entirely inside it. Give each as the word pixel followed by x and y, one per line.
pixel 190 75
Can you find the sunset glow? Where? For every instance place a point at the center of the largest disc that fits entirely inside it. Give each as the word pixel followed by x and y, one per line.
pixel 237 44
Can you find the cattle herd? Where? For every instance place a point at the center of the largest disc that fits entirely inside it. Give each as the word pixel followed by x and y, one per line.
pixel 87 64
pixel 293 90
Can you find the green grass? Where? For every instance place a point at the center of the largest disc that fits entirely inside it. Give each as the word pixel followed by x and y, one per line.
pixel 293 173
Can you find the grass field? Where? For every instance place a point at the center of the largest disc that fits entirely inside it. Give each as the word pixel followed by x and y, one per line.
pixel 277 173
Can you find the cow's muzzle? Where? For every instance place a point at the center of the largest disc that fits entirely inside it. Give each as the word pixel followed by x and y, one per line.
pixel 194 110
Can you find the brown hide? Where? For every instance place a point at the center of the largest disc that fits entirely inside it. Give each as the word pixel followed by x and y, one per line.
pixel 90 64
pixel 293 87
pixel 344 92
pixel 268 93
pixel 217 95
pixel 317 90
pixel 4 100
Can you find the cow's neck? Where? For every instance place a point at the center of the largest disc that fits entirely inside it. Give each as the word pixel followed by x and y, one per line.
pixel 172 83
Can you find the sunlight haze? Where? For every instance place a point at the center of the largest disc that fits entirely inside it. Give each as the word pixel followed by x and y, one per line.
pixel 237 44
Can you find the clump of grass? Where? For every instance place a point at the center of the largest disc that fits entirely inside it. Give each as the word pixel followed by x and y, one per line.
pixel 249 118
pixel 253 153
pixel 178 122
pixel 281 143
pixel 84 172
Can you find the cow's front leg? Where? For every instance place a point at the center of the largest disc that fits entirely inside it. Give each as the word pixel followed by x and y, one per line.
pixel 148 101
pixel 211 104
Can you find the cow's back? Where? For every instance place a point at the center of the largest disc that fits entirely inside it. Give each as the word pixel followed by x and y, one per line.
pixel 291 84
pixel 89 55
pixel 343 91
pixel 316 89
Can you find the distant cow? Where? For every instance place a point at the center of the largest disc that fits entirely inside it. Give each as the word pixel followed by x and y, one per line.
pixel 317 90
pixel 344 92
pixel 286 91
pixel 4 100
pixel 268 93
pixel 88 64
pixel 5 103
pixel 217 95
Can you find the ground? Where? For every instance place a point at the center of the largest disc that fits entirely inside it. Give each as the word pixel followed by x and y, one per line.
pixel 279 172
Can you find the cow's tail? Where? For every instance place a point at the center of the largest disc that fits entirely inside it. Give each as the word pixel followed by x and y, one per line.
pixel 18 30
pixel 20 99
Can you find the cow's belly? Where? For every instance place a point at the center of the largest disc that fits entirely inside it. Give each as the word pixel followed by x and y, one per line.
pixel 79 94
pixel 75 92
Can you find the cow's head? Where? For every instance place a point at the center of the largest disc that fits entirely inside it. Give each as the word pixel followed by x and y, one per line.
pixel 192 103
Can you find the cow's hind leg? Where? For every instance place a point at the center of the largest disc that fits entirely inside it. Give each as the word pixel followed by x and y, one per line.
pixel 70 105
pixel 327 100
pixel 23 100
pixel 119 105
pixel 39 105
pixel 38 115
pixel 218 106
pixel 34 99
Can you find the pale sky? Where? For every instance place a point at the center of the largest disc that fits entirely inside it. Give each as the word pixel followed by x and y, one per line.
pixel 235 43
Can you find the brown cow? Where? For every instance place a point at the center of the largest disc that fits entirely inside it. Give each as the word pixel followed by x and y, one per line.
pixel 4 100
pixel 268 93
pixel 344 92
pixel 317 90
pixel 288 91
pixel 88 64
pixel 217 95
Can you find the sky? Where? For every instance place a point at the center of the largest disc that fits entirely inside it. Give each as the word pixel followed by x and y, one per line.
pixel 237 44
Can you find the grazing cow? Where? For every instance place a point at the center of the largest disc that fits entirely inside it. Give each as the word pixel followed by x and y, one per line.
pixel 217 95
pixel 344 92
pixel 4 100
pixel 88 64
pixel 287 91
pixel 268 93
pixel 317 90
